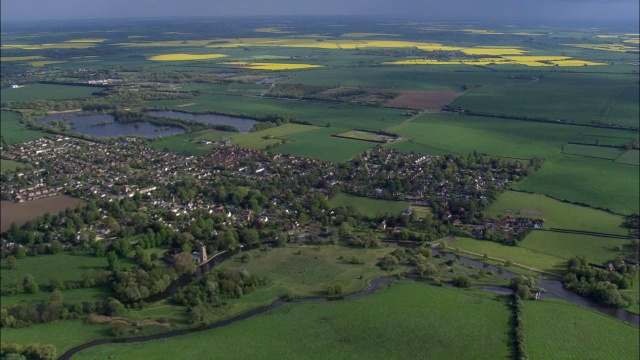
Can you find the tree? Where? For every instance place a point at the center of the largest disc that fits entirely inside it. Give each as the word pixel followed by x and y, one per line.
pixel 185 263
pixel 11 262
pixel 56 297
pixel 462 281
pixel 30 284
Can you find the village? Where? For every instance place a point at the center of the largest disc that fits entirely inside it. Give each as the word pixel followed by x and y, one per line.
pixel 294 191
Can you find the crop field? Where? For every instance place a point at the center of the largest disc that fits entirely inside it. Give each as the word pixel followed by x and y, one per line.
pixel 599 152
pixel 596 182
pixel 319 144
pixel 270 66
pixel 259 140
pixel 47 92
pixel 13 131
pixel 307 271
pixel 317 113
pixel 439 321
pixel 517 254
pixel 415 99
pixel 369 206
pixel 555 213
pixel 631 157
pixel 582 98
pixel 560 330
pixel 596 249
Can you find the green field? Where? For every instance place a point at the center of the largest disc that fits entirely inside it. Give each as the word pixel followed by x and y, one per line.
pixel 499 137
pixel 631 157
pixel 560 330
pixel 259 140
pixel 62 334
pixel 188 143
pixel 65 267
pixel 517 254
pixel 407 321
pixel 47 92
pixel 307 271
pixel 10 165
pixel 596 182
pixel 13 131
pixel 315 112
pixel 556 214
pixel 583 98
pixel 592 151
pixel 319 144
pixel 596 249
pixel 369 206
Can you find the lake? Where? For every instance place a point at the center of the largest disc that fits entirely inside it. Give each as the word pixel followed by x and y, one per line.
pixel 243 124
pixel 103 125
pixel 20 213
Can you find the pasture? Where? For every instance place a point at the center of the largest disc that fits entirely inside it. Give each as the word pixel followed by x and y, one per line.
pixel 13 131
pixel 561 330
pixel 47 92
pixel 555 213
pixel 439 321
pixel 10 165
pixel 188 143
pixel 369 206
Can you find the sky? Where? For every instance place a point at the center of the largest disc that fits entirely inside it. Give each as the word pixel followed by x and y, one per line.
pixel 611 11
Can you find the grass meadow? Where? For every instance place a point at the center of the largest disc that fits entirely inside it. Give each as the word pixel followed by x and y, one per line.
pixel 10 165
pixel 368 206
pixel 556 214
pixel 408 320
pixel 560 330
pixel 13 131
pixel 259 140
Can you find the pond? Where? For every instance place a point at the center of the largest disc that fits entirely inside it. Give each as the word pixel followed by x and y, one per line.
pixel 243 124
pixel 103 125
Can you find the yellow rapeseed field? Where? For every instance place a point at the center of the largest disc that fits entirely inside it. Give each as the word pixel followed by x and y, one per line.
pixel 632 41
pixel 366 34
pixel 270 66
pixel 185 57
pixel 19 58
pixel 604 47
pixel 504 60
pixel 170 43
pixel 608 36
pixel 524 33
pixel 497 51
pixel 272 30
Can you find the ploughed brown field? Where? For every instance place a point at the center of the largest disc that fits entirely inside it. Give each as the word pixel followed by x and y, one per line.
pixel 20 213
pixel 426 100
